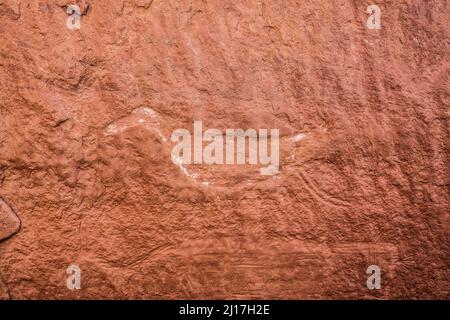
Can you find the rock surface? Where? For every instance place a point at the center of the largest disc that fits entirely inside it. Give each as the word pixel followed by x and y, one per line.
pixel 9 222
pixel 85 122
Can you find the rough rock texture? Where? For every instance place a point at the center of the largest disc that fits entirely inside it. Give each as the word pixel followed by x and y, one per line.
pixel 9 222
pixel 85 121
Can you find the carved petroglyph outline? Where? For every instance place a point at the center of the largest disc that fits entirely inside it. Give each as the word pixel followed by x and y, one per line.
pixel 319 194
